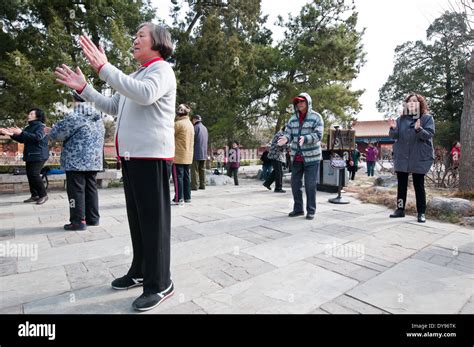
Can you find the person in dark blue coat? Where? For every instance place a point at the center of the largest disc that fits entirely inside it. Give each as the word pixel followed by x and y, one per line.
pixel 35 152
pixel 412 151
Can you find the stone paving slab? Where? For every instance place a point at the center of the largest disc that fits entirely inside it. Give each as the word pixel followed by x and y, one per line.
pixel 290 249
pixel 22 288
pixel 76 252
pixel 415 286
pixel 297 288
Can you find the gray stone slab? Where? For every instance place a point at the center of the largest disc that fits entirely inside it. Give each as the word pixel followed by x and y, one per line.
pixel 225 226
pixel 75 253
pixel 182 234
pixel 290 249
pixel 99 299
pixel 177 221
pixel 185 308
pixel 194 250
pixel 8 266
pixel 468 308
pixel 21 288
pixel 227 269
pixel 7 234
pixel 297 288
pixel 458 241
pixel 189 284
pixel 383 249
pixel 415 286
pixel 250 236
pixel 335 308
pixel 344 268
pixel 87 274
pixel 17 309
pixel 357 305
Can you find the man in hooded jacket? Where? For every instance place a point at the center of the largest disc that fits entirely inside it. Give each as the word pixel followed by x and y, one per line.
pixel 304 133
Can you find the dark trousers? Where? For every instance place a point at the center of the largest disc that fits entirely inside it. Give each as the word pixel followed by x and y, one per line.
pixel 198 171
pixel 311 174
pixel 232 172
pixel 266 171
pixel 182 182
pixel 370 168
pixel 147 196
pixel 33 169
pixel 83 197
pixel 352 173
pixel 419 185
pixel 276 175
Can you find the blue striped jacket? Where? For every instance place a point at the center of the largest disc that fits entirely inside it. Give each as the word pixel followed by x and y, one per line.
pixel 312 129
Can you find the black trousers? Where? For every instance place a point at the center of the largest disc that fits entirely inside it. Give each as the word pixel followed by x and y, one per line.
pixel 83 196
pixel 182 182
pixel 147 196
pixel 33 169
pixel 352 173
pixel 276 175
pixel 418 184
pixel 232 172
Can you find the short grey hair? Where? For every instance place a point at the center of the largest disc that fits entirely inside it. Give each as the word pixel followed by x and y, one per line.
pixel 161 39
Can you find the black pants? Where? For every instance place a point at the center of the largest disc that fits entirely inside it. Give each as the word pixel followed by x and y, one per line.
pixel 147 196
pixel 352 173
pixel 232 172
pixel 33 169
pixel 182 182
pixel 311 174
pixel 83 197
pixel 276 175
pixel 419 185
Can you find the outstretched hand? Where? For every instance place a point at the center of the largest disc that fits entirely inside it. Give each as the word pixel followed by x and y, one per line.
pixel 95 56
pixel 74 80
pixel 282 141
pixel 5 131
pixel 14 130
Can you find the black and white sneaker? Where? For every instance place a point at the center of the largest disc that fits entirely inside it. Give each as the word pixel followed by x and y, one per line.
pixel 126 282
pixel 147 302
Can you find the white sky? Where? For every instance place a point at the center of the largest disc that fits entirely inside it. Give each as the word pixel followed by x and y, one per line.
pixel 388 24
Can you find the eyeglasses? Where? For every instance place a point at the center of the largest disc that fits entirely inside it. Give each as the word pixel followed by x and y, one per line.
pixel 300 101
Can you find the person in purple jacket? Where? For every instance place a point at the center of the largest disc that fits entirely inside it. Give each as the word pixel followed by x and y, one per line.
pixel 371 154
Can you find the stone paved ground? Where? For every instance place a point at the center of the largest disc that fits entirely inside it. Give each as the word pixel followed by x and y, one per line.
pixel 234 250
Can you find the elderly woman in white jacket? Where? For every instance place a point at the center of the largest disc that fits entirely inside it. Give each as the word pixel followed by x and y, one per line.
pixel 144 103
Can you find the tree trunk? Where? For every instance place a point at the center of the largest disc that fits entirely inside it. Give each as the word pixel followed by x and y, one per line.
pixel 466 176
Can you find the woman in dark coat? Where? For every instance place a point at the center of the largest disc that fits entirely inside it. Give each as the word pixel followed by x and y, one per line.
pixel 35 152
pixel 353 163
pixel 412 152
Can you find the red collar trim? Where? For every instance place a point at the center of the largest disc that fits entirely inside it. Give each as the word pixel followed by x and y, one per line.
pixel 148 63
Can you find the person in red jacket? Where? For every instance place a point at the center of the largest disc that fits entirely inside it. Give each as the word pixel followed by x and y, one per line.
pixel 455 154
